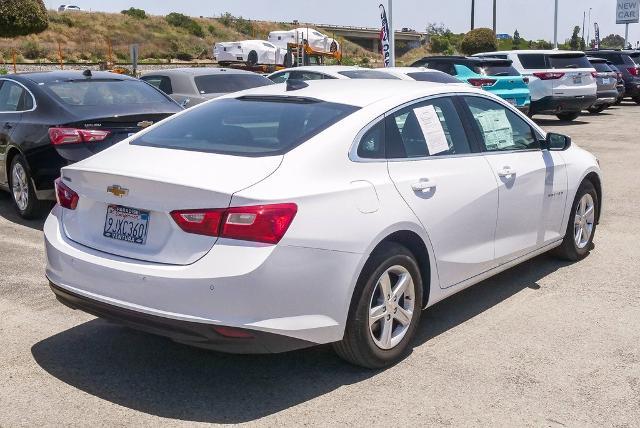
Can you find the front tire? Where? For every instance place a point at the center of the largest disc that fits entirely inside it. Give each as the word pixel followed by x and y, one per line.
pixel 252 59
pixel 598 109
pixel 636 99
pixel 385 310
pixel 24 197
pixel 578 239
pixel 568 117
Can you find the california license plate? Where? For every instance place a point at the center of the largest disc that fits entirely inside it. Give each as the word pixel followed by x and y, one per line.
pixel 606 81
pixel 577 80
pixel 126 224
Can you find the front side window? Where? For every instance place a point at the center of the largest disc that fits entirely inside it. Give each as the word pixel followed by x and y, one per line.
pixel 247 126
pixel 279 77
pixel 367 74
pixel 431 128
pixel 500 128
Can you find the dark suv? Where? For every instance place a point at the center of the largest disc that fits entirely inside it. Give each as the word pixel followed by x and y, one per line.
pixel 624 61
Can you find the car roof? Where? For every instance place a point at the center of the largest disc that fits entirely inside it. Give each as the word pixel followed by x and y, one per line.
pixel 534 51
pixel 196 71
pixel 468 59
pixel 405 70
pixel 357 92
pixel 54 76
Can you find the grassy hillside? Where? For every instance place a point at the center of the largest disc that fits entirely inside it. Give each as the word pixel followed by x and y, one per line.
pixel 85 37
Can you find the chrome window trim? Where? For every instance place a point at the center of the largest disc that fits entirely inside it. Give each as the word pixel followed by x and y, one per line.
pixel 33 98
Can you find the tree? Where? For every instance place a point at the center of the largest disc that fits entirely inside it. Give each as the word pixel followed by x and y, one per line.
pixel 613 41
pixel 22 17
pixel 516 40
pixel 183 21
pixel 135 13
pixel 574 42
pixel 440 44
pixel 479 40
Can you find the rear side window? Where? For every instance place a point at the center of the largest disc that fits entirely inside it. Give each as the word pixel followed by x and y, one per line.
pixel 367 74
pixel 426 76
pixel 161 82
pixel 247 126
pixel 533 61
pixel 105 92
pixel 569 61
pixel 431 128
pixel 226 83
pixel 372 143
pixel 14 97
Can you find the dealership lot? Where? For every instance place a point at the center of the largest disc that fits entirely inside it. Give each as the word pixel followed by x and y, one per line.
pixel 546 343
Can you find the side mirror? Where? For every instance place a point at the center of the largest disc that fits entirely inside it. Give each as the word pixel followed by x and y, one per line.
pixel 556 142
pixel 185 102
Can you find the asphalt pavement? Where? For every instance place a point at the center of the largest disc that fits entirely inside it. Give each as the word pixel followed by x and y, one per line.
pixel 547 343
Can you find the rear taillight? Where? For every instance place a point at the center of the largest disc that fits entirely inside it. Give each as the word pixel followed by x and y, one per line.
pixel 66 197
pixel 481 82
pixel 59 136
pixel 261 223
pixel 550 75
pixel 633 71
pixel 595 74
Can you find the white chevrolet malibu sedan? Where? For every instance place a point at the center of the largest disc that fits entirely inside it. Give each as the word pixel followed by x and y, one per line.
pixel 315 212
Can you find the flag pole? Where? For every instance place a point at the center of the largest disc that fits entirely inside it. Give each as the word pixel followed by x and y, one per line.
pixel 392 36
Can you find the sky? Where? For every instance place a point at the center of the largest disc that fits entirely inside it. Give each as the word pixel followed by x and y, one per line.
pixel 532 18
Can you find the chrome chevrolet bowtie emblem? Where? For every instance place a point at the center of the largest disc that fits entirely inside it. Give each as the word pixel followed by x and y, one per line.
pixel 118 191
pixel 145 124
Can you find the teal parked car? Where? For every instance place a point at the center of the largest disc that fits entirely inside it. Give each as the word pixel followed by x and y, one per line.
pixel 495 75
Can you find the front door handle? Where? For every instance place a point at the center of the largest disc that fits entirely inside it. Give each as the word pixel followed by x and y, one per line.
pixel 506 171
pixel 423 186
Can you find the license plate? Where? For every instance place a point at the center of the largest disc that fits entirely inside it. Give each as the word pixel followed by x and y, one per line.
pixel 606 81
pixel 126 224
pixel 577 80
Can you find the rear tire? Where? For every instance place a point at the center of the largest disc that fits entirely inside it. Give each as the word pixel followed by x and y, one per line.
pixel 636 99
pixel 583 221
pixel 382 323
pixel 568 117
pixel 24 197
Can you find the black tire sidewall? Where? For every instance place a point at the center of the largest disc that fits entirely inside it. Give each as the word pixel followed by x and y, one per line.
pixel 252 58
pixel 568 117
pixel 359 322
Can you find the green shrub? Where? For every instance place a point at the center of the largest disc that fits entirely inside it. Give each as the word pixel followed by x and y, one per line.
pixel 243 26
pixel 184 56
pixel 135 13
pixel 440 44
pixel 22 17
pixel 31 49
pixel 479 40
pixel 226 19
pixel 3 71
pixel 183 21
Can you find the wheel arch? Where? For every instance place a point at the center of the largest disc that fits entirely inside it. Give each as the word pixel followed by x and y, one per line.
pixel 594 178
pixel 12 152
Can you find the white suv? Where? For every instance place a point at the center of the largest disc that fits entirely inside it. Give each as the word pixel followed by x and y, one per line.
pixel 561 82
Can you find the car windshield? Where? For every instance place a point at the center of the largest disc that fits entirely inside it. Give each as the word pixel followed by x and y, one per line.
pixel 97 92
pixel 367 74
pixel 247 126
pixel 226 83
pixel 425 76
pixel 569 61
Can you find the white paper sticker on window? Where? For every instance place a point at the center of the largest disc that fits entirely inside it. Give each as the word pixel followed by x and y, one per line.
pixel 432 129
pixel 496 128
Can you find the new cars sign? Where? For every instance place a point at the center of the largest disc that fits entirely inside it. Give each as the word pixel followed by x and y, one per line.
pixel 385 42
pixel 627 11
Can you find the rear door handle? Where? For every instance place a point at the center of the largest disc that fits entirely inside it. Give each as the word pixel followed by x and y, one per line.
pixel 506 171
pixel 423 186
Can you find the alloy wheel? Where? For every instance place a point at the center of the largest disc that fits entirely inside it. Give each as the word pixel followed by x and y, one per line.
pixel 584 220
pixel 20 186
pixel 391 307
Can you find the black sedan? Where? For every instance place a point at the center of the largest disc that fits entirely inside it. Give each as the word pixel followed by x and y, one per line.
pixel 51 119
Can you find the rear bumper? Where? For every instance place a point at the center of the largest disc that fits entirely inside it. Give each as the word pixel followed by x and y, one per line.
pixel 632 89
pixel 555 105
pixel 295 292
pixel 607 97
pixel 190 333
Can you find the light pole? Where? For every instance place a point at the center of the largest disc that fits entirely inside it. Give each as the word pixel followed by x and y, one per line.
pixel 473 14
pixel 555 27
pixel 589 29
pixel 495 30
pixel 584 19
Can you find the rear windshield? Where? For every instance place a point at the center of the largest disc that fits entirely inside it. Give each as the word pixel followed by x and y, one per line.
pixel 436 77
pixel 496 70
pixel 366 74
pixel 569 61
pixel 105 92
pixel 247 126
pixel 615 57
pixel 223 84
pixel 601 67
pixel 533 61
